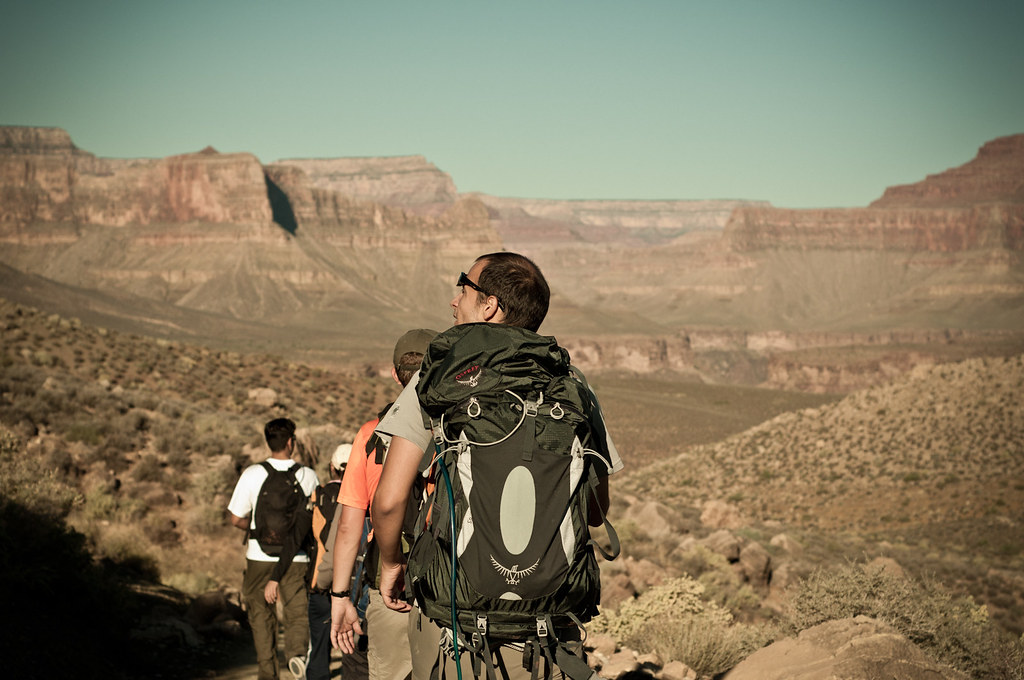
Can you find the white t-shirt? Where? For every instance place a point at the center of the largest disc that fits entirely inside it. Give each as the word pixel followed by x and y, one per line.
pixel 247 490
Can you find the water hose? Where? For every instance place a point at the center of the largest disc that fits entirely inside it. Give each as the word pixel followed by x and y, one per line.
pixel 455 612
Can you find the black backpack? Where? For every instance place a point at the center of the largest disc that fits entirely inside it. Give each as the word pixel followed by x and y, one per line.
pixel 506 553
pixel 280 499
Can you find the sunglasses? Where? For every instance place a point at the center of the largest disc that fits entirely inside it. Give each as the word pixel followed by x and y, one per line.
pixel 464 281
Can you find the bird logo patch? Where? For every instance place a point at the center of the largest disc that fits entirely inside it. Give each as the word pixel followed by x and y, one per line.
pixel 513 575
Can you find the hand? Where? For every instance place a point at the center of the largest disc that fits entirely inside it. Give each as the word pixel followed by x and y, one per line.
pixel 345 628
pixel 270 592
pixel 392 587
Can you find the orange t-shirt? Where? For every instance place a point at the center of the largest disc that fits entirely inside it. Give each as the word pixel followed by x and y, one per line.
pixel 362 474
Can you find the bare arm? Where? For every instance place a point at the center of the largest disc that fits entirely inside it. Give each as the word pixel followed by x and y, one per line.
pixel 388 512
pixel 240 522
pixel 344 618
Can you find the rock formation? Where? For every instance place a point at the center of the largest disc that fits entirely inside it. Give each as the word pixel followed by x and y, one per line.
pixel 722 290
pixel 848 649
pixel 221 233
pixel 409 181
pixel 977 206
pixel 995 175
pixel 531 223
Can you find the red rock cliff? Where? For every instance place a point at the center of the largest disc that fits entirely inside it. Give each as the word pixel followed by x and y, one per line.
pixel 995 175
pixel 44 178
pixel 979 205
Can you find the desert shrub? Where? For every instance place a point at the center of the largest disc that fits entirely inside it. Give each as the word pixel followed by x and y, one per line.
pixel 673 620
pixel 161 531
pixel 99 504
pixel 192 583
pixel 123 546
pixel 89 432
pixel 218 478
pixel 205 518
pixel 954 629
pixel 148 469
pixel 42 491
pixel 170 409
pixel 701 641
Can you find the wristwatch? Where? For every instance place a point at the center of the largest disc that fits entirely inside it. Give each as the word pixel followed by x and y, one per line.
pixel 342 593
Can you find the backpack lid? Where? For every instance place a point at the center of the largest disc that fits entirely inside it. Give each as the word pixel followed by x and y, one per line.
pixel 475 357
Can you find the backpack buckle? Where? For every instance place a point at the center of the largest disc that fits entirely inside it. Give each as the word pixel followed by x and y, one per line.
pixel 542 627
pixel 473 410
pixel 481 624
pixel 556 411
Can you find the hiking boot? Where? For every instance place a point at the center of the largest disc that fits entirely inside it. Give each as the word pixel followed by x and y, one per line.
pixel 297 665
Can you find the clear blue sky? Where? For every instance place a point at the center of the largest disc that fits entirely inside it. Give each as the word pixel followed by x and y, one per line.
pixel 801 103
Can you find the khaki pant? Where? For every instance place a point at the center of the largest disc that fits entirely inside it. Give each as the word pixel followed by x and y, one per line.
pixel 263 616
pixel 387 634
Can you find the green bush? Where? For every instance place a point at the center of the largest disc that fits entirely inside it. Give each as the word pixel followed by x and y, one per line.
pixel 673 620
pixel 955 630
pixel 22 481
pixel 148 469
pixel 702 641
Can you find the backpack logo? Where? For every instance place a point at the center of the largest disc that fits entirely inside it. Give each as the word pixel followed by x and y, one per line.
pixel 470 377
pixel 513 575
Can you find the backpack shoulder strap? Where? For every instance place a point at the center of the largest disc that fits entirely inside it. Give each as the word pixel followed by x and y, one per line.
pixel 376 445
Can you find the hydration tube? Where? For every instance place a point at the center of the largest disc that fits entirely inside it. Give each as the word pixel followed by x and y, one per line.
pixel 455 617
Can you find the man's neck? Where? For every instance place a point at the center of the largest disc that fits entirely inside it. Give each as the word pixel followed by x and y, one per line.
pixel 281 455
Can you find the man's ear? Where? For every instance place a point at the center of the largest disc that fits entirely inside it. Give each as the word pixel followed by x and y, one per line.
pixel 491 311
pixel 394 374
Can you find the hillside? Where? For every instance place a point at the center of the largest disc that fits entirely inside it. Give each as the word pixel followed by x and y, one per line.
pixel 943 444
pixel 140 440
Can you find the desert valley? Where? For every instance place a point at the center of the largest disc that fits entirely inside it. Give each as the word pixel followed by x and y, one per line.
pixel 820 410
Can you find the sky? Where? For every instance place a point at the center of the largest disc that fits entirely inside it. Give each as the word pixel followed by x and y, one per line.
pixel 803 103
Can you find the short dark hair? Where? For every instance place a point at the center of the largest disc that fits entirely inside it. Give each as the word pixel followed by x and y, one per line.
pixel 408 364
pixel 520 287
pixel 277 432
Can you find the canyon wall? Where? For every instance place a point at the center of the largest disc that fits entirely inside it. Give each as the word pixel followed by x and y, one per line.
pixel 939 230
pixel 222 233
pixel 976 206
pixel 996 174
pixel 399 180
pixel 363 248
pixel 46 178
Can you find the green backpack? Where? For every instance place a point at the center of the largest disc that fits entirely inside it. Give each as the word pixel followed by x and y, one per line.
pixel 505 553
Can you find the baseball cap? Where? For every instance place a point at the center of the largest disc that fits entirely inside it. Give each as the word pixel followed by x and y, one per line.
pixel 340 457
pixel 413 341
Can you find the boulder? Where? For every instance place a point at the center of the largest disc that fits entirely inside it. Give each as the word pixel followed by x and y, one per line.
pixel 676 670
pixel 720 515
pixel 616 589
pixel 622 662
pixel 756 565
pixel 886 565
pixel 725 543
pixel 847 649
pixel 787 543
pixel 264 396
pixel 654 519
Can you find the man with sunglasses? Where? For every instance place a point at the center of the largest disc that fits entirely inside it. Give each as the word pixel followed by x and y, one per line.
pixel 500 288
